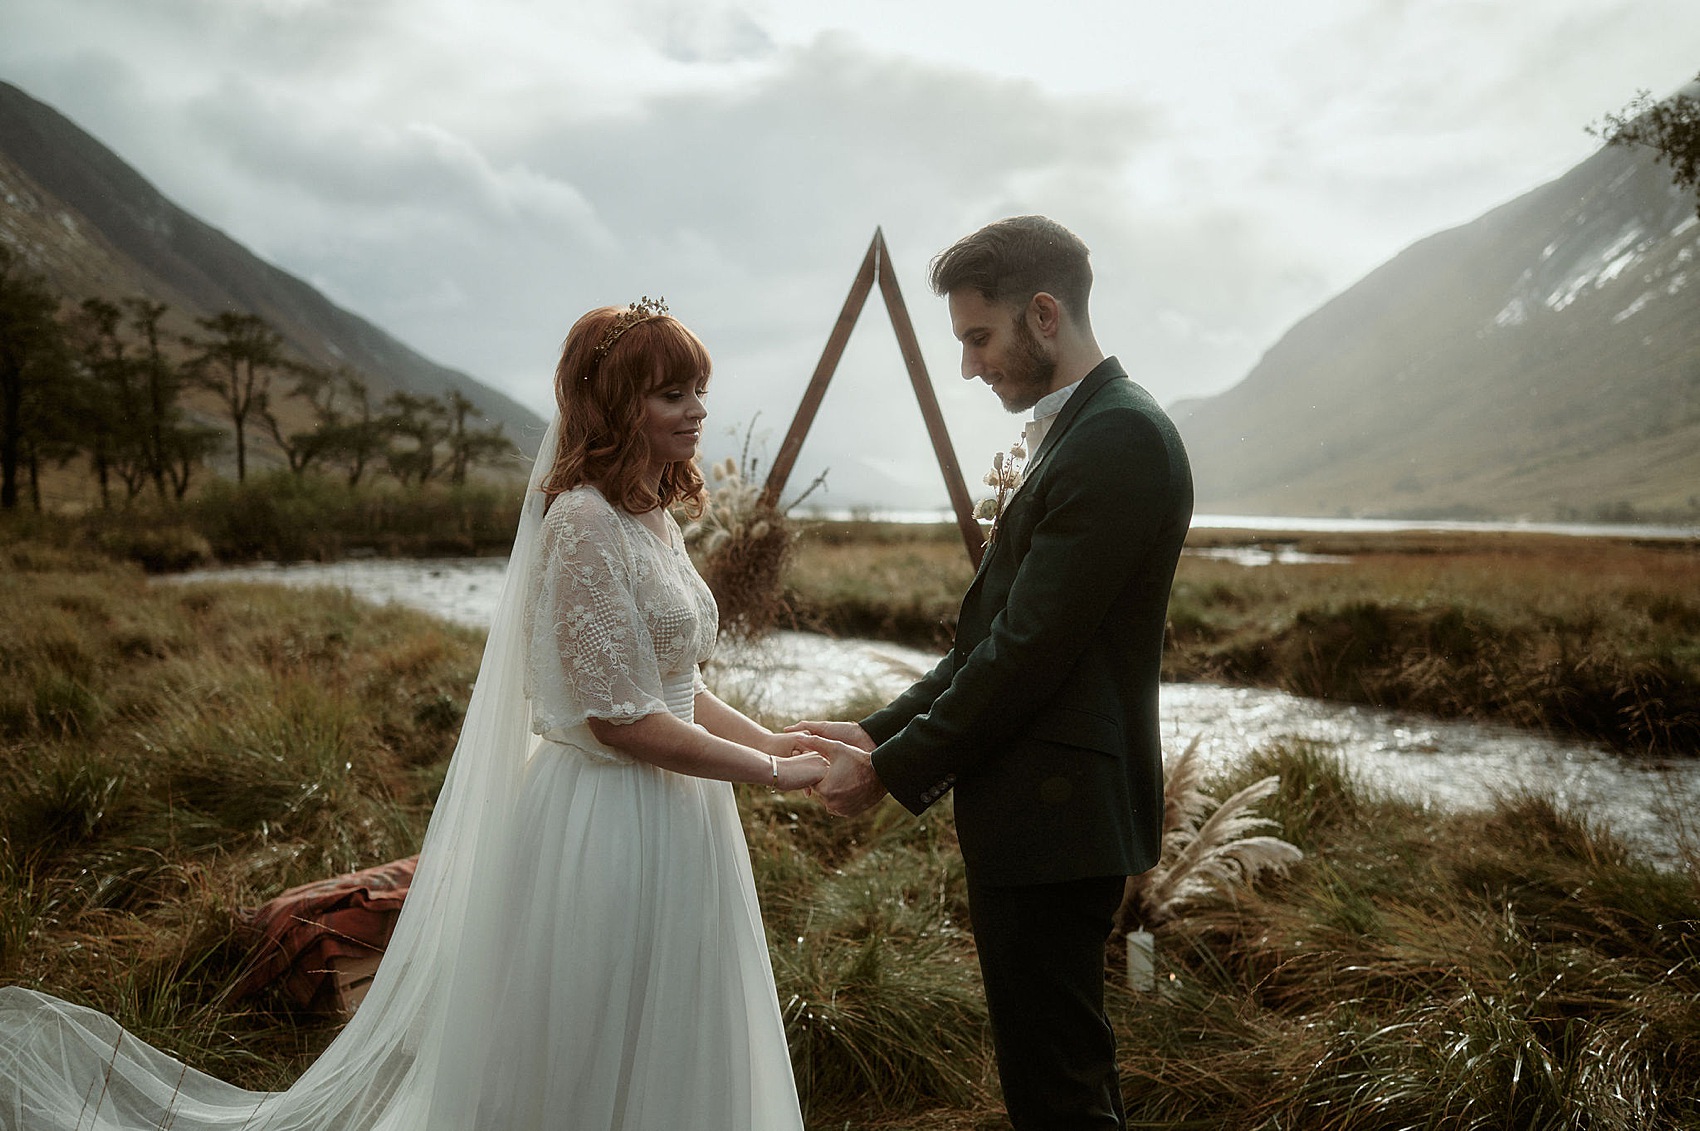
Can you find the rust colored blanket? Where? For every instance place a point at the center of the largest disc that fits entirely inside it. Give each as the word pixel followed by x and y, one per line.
pixel 309 934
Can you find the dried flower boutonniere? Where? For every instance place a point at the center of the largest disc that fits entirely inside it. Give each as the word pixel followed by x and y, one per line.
pixel 1004 477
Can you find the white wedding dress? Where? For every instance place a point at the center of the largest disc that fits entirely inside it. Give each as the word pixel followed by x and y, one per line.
pixel 581 948
pixel 638 957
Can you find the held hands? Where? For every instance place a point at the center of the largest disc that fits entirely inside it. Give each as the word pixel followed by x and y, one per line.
pixel 799 767
pixel 851 786
pixel 851 734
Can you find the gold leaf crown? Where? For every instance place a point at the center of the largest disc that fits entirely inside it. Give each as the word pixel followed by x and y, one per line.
pixel 643 310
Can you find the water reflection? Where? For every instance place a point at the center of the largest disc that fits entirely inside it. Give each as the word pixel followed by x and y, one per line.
pixel 463 590
pixel 1449 764
pixel 1261 556
pixel 1295 524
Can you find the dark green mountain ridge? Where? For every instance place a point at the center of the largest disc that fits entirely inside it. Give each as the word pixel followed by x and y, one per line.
pixel 93 226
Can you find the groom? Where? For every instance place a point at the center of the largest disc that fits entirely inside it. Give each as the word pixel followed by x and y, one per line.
pixel 1043 716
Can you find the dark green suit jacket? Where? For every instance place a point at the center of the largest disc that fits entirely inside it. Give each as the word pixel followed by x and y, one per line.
pixel 1043 715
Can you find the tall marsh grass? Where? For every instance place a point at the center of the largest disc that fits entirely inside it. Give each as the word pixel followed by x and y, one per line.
pixel 170 754
pixel 1584 637
pixel 1578 636
pixel 282 517
pixel 889 581
pixel 1508 968
pixel 1516 967
pixel 276 516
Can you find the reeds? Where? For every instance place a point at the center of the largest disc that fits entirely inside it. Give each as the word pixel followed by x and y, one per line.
pixel 276 516
pixel 170 754
pixel 1511 967
pixel 281 517
pixel 1588 638
pixel 889 581
pixel 1576 636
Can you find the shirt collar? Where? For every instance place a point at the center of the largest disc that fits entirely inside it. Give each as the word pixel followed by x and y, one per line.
pixel 1052 403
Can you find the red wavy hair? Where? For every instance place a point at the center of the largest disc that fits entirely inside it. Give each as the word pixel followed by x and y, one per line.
pixel 602 411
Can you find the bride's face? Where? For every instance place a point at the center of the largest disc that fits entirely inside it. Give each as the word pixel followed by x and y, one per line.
pixel 672 421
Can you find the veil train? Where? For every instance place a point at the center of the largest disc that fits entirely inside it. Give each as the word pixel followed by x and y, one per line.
pixel 410 1057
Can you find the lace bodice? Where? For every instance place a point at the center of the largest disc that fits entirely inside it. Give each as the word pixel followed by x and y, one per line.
pixel 616 617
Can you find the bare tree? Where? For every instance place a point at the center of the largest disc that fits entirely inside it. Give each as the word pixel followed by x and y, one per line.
pixel 321 389
pixel 133 424
pixel 470 445
pixel 53 429
pixel 423 420
pixel 161 386
pixel 32 354
pixel 186 447
pixel 105 386
pixel 360 437
pixel 237 363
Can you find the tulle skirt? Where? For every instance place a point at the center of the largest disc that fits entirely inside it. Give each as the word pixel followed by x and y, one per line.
pixel 638 991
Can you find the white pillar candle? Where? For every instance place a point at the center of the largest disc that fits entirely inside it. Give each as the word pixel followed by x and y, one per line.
pixel 1141 961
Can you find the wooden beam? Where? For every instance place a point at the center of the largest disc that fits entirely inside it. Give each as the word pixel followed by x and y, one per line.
pixel 876 265
pixel 828 364
pixel 972 538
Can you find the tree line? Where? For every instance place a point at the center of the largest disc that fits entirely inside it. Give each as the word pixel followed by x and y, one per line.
pixel 100 380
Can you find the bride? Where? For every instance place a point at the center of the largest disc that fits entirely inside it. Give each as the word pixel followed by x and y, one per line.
pixel 581 947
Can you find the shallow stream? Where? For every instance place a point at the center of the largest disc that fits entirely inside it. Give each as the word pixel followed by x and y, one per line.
pixel 1449 764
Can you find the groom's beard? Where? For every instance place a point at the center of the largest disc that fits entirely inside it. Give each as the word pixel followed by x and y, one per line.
pixel 1029 372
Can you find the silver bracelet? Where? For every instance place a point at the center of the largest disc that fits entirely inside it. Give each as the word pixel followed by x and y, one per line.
pixel 774 758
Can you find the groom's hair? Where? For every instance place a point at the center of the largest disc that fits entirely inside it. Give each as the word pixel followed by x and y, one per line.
pixel 1012 260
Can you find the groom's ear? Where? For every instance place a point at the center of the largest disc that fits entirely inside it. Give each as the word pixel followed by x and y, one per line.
pixel 1044 315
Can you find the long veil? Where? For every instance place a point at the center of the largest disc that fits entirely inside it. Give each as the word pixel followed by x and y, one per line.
pixel 409 1059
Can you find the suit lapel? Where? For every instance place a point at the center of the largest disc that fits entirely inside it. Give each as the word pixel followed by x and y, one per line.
pixel 1102 374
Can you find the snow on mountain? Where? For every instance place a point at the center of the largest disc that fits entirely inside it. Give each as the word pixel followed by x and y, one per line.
pixel 1541 361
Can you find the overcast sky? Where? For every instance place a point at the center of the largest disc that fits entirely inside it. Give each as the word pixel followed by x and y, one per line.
pixel 473 174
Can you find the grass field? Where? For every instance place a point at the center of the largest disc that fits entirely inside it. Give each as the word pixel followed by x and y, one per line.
pixel 276 516
pixel 171 754
pixel 1591 637
pixel 1584 636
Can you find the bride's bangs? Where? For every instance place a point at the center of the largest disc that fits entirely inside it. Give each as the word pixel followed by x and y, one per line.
pixel 679 355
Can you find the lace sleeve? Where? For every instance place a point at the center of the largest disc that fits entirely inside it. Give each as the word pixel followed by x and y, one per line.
pixel 591 654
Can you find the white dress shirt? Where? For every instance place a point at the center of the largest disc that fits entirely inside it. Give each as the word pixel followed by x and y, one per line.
pixel 1044 414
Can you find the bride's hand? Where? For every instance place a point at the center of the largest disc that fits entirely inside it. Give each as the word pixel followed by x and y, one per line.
pixel 799 771
pixel 779 744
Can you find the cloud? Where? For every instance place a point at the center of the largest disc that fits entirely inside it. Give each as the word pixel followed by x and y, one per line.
pixel 693 32
pixel 760 201
pixel 749 206
pixel 472 177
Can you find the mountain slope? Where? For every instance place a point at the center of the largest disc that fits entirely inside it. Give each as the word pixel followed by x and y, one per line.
pixel 1542 361
pixel 95 227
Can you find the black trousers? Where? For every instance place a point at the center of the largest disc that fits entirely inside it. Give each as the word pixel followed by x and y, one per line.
pixel 1042 958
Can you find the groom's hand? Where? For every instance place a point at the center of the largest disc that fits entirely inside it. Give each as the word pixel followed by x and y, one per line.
pixel 850 786
pixel 851 734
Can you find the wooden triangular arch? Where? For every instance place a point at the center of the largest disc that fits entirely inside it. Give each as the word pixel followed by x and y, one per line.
pixel 876 266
